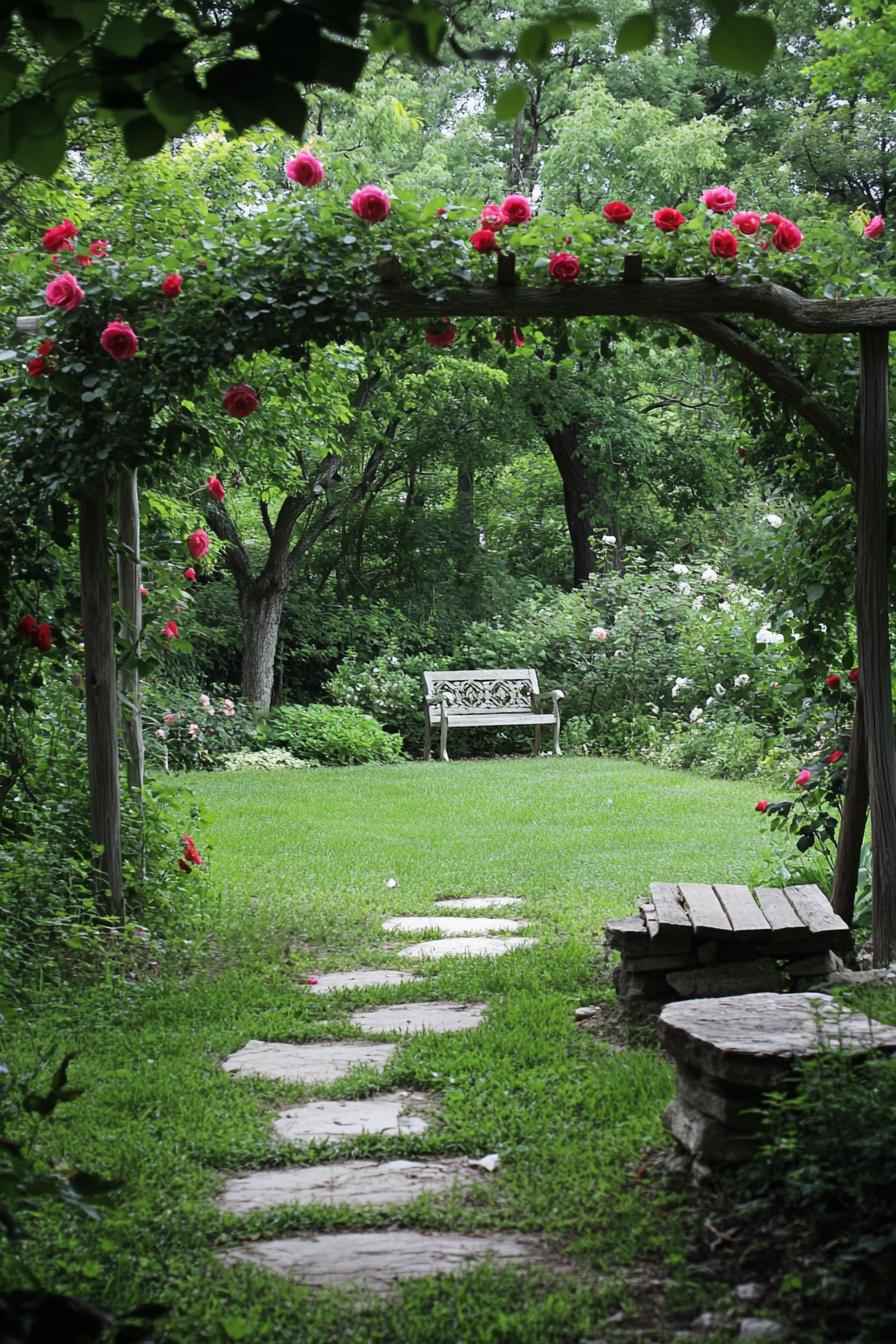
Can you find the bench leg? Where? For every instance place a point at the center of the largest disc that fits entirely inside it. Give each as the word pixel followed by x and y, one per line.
pixel 443 739
pixel 427 740
pixel 557 751
pixel 536 740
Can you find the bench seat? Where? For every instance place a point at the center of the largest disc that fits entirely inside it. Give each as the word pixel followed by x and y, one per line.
pixel 487 698
pixel 488 720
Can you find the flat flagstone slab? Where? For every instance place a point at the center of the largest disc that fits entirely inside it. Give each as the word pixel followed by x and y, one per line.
pixel 464 947
pixel 319 1062
pixel 333 980
pixel 419 1017
pixel 478 902
pixel 379 1260
pixel 360 1182
pixel 451 924
pixel 389 1113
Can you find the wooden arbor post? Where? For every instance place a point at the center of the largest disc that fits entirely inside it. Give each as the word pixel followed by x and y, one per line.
pixel 874 635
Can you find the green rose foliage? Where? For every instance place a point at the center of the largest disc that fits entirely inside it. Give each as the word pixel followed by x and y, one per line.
pixel 331 735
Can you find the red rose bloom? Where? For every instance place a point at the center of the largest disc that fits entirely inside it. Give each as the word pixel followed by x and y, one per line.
pixel 305 169
pixel 492 217
pixel 832 682
pixel 184 866
pixel 191 853
pixel 43 638
pixel 787 237
pixel 26 627
pixel 564 267
pixel 64 292
pixel 371 203
pixel 215 488
pixel 617 212
pixel 803 778
pixel 484 241
pixel 119 340
pixel 668 219
pixel 875 227
pixel 198 543
pixel 833 758
pixel 83 259
pixel 442 335
pixel 99 247
pixel 762 805
pixel 722 243
pixel 144 591
pixel 853 674
pixel 516 337
pixel 36 366
pixel 747 222
pixel 240 400
pixel 773 218
pixel 442 210
pixel 59 238
pixel 46 347
pixel 719 200
pixel 170 631
pixel 190 573
pixel 172 285
pixel 516 210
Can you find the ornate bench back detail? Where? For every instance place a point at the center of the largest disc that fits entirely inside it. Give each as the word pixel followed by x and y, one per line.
pixel 477 698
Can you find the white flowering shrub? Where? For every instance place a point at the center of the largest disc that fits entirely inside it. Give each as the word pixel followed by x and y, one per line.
pixel 270 758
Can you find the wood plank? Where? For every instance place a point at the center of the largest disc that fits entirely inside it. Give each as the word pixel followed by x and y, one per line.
pixel 780 914
pixel 814 909
pixel 705 909
pixel 743 912
pixel 669 909
pixel 667 921
pixel 460 718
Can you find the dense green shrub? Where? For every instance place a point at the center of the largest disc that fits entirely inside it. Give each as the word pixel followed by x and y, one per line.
pixel 390 688
pixel 331 735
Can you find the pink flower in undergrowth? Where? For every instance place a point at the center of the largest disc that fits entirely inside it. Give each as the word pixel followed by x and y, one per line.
pixel 64 292
pixel 668 219
pixel 492 217
pixel 144 591
pixel 441 334
pixel 762 805
pixel 484 241
pixel 787 237
pixel 564 267
pixel 772 218
pixel 305 169
pixel 59 238
pixel 190 574
pixel 516 209
pixel 198 543
pixel 722 243
pixel 310 979
pixel 803 778
pixel 98 248
pixel 617 212
pixel 719 199
pixel 172 285
pixel 371 203
pixel 119 340
pixel 240 400
pixel 168 718
pixel 833 757
pixel 192 730
pixel 875 227
pixel 161 734
pixel 170 631
pixel 215 488
pixel 228 709
pixel 204 701
pixel 746 222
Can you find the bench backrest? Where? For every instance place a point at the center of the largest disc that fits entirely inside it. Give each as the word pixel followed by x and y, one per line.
pixel 492 691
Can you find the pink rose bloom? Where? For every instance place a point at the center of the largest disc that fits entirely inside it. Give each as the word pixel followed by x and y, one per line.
pixel 161 734
pixel 193 730
pixel 240 400
pixel 59 238
pixel 516 210
pixel 198 543
pixel 172 285
pixel 747 222
pixel 119 340
pixel 168 718
pixel 492 217
pixel 204 701
pixel 773 218
pixel 371 203
pixel 875 227
pixel 722 243
pixel 305 169
pixel 803 778
pixel 564 267
pixel 170 631
pixel 719 199
pixel 787 237
pixel 215 488
pixel 190 574
pixel 64 292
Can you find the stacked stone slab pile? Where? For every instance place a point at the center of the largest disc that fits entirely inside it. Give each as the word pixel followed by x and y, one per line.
pixel 693 940
pixel 729 1052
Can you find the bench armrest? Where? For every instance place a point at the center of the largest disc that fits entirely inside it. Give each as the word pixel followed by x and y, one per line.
pixel 444 699
pixel 551 695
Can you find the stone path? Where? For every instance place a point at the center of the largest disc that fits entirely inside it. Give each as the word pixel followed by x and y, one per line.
pixel 375 1260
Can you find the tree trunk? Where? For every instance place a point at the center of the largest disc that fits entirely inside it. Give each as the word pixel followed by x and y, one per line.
pixel 580 500
pixel 852 820
pixel 261 610
pixel 101 699
pixel 874 638
pixel 131 604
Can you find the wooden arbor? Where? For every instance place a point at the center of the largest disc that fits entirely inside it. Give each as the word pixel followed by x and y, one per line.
pixel 706 308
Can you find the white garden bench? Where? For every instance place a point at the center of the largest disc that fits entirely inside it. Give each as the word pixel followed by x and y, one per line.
pixel 487 699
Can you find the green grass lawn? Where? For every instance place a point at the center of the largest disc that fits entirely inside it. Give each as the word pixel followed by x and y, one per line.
pixel 294 881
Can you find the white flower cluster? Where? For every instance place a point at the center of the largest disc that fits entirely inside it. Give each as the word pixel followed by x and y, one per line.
pixel 766 636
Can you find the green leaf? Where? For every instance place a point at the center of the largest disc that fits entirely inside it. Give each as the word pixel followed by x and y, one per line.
pixel 511 101
pixel 534 43
pixel 636 33
pixel 123 37
pixel 37 136
pixel 10 69
pixel 286 107
pixel 743 42
pixel 143 137
pixel 814 592
pixel 175 104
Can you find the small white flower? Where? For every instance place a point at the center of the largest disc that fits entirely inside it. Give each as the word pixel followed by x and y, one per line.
pixel 685 589
pixel 161 734
pixel 724 606
pixel 774 520
pixel 391 882
pixel 695 714
pixel 598 634
pixel 742 679
pixel 701 648
pixel 204 701
pixel 709 575
pixel 766 636
pixel 680 569
pixel 719 688
pixel 617 653
pixel 608 540
pixel 710 700
pixel 697 602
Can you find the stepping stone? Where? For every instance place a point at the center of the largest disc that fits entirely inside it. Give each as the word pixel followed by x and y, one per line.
pixel 453 924
pixel 389 1113
pixel 420 1017
pixel 320 1062
pixel 378 1260
pixel 479 902
pixel 361 1182
pixel 327 984
pixel 464 947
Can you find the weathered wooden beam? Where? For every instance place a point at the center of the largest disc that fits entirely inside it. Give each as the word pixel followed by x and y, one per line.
pixel 101 701
pixel 29 323
pixel 130 602
pixel 874 635
pixel 661 300
pixel 853 819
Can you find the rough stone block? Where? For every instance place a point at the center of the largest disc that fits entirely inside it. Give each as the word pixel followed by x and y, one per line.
pixel 638 987
pixel 822 963
pixel 736 977
pixel 627 935
pixel 736 1108
pixel 705 1138
pixel 670 961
